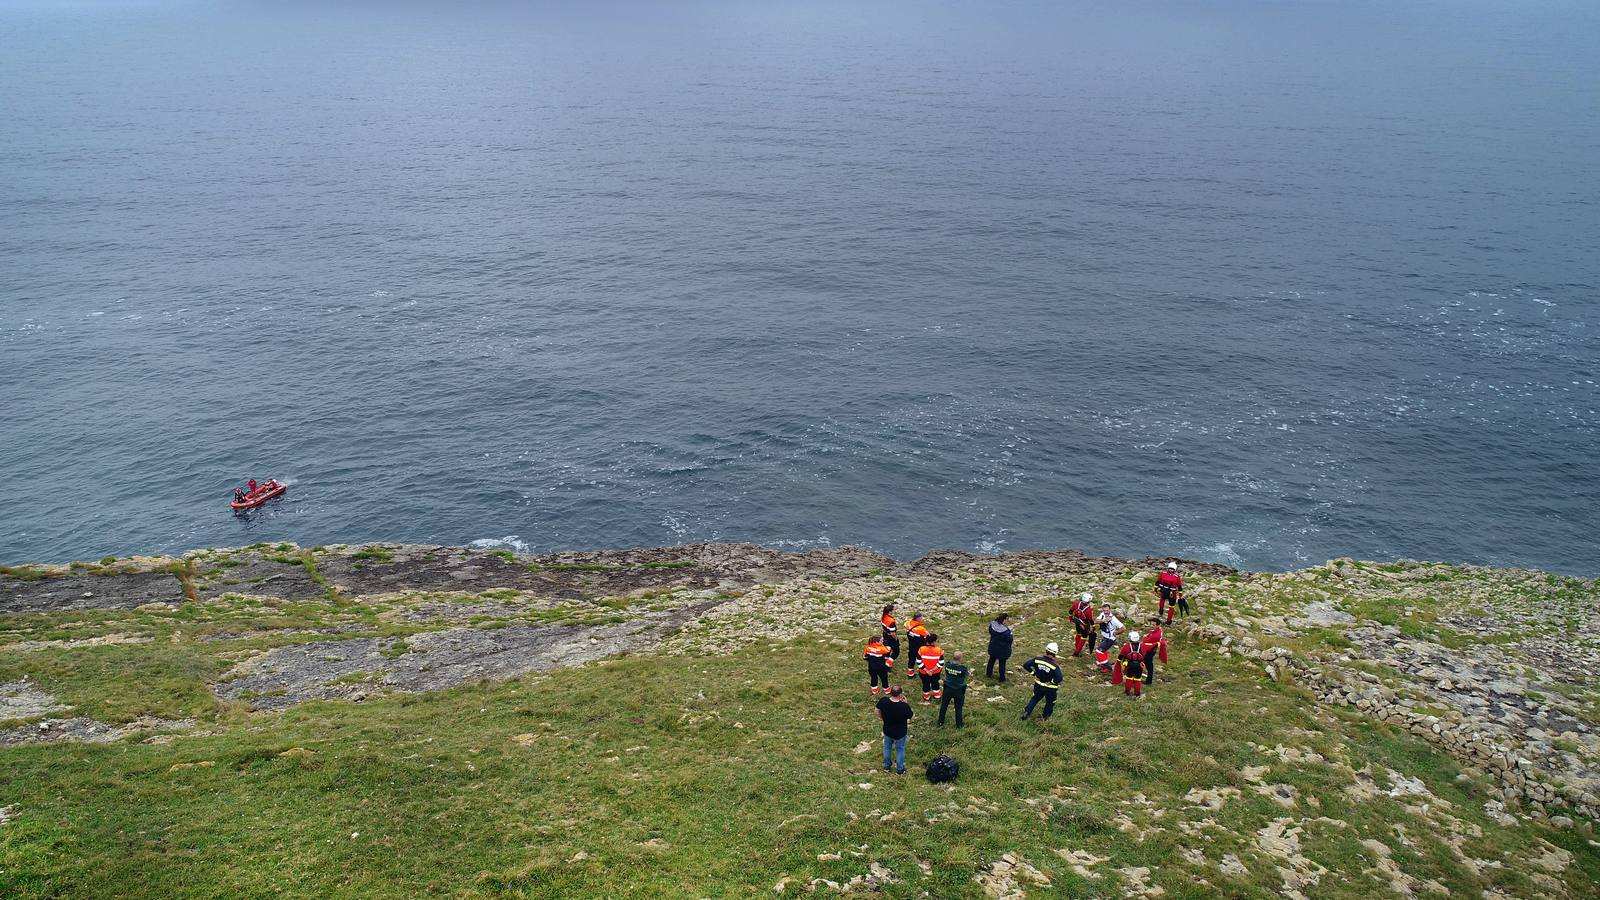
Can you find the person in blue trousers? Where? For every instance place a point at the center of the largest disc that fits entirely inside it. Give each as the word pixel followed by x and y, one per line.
pixel 896 714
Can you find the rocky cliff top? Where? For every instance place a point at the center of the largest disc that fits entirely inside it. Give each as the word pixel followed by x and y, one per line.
pixel 1491 666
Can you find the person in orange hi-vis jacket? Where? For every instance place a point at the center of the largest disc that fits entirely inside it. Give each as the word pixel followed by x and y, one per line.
pixel 916 636
pixel 930 665
pixel 880 662
pixel 890 629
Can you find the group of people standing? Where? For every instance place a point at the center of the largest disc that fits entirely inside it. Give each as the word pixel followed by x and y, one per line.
pixel 1133 666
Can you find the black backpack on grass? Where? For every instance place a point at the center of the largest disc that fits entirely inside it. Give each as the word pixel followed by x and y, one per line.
pixel 943 768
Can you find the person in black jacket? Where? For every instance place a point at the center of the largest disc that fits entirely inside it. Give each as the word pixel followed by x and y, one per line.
pixel 1046 672
pixel 999 646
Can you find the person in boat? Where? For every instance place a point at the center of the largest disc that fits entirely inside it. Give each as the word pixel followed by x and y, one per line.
pixel 238 495
pixel 252 487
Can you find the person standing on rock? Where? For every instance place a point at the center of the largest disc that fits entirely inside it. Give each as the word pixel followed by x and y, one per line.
pixel 1153 645
pixel 1046 674
pixel 916 634
pixel 955 687
pixel 890 629
pixel 896 714
pixel 999 648
pixel 1109 627
pixel 880 662
pixel 930 665
pixel 1082 622
pixel 1169 593
pixel 1130 669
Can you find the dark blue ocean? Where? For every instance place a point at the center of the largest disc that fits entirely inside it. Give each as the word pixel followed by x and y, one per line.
pixel 1256 282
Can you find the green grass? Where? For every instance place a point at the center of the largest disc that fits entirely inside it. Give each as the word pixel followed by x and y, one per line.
pixel 24 573
pixel 373 552
pixel 309 560
pixel 692 775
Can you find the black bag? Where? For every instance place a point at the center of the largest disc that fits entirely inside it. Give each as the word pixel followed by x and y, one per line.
pixel 943 768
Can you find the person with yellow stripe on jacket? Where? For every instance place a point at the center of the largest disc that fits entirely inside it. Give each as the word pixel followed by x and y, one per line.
pixel 1046 674
pixel 930 665
pixel 880 662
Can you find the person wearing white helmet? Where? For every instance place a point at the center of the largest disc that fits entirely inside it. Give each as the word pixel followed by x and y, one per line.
pixel 1082 622
pixel 1046 674
pixel 1169 593
pixel 1130 667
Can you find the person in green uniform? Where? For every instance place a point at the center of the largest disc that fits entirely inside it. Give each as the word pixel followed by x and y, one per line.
pixel 955 686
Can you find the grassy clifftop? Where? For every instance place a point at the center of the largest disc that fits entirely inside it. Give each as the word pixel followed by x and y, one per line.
pixel 694 721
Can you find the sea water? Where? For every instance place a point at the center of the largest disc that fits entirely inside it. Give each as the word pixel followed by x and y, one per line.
pixel 1256 282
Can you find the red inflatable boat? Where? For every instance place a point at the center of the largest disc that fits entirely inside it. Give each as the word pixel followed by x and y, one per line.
pixel 263 493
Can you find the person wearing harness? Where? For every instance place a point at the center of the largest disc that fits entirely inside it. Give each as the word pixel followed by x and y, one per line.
pixel 880 662
pixel 1082 622
pixel 889 631
pixel 930 665
pixel 1169 593
pixel 1153 645
pixel 916 636
pixel 999 646
pixel 1046 674
pixel 1131 667
pixel 1110 626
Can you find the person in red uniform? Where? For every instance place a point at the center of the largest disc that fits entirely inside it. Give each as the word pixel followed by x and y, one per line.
pixel 1169 592
pixel 252 487
pixel 890 628
pixel 930 665
pixel 1130 667
pixel 1082 622
pixel 1153 645
pixel 916 636
pixel 880 662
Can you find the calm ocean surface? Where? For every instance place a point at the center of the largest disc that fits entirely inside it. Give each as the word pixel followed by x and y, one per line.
pixel 1257 282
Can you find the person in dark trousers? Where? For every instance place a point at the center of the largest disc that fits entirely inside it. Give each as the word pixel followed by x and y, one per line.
pixel 891 629
pixel 879 663
pixel 896 714
pixel 1154 645
pixel 916 634
pixel 999 646
pixel 955 687
pixel 1046 674
pixel 930 667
